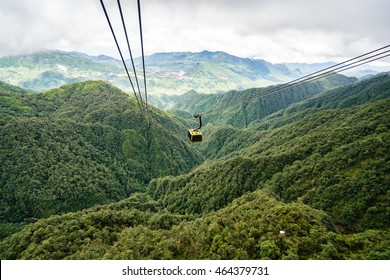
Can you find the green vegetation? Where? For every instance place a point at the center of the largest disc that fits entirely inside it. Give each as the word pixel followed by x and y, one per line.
pixel 241 108
pixel 334 160
pixel 138 228
pixel 316 167
pixel 81 145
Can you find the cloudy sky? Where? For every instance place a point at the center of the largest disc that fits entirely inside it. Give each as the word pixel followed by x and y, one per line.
pixel 275 30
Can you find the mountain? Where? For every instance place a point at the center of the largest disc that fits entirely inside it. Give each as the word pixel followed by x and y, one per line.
pixel 339 151
pixel 80 145
pixel 211 72
pixel 171 73
pixel 167 73
pixel 329 197
pixel 240 108
pixel 50 69
pixel 316 168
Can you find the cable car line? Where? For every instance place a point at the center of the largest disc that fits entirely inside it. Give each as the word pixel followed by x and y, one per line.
pixel 128 45
pixel 120 53
pixel 347 68
pixel 337 68
pixel 142 49
pixel 310 77
pixel 338 64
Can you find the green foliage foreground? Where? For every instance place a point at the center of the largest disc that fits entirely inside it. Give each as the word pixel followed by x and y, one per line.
pixel 138 228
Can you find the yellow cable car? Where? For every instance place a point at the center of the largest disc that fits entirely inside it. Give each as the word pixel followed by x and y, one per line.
pixel 195 135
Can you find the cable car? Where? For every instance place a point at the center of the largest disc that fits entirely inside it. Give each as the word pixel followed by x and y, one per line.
pixel 195 135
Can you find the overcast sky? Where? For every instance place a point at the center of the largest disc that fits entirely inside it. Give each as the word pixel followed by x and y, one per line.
pixel 275 30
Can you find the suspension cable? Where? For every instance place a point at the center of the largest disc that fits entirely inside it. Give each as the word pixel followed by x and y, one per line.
pixel 338 64
pixel 120 53
pixel 331 70
pixel 326 74
pixel 128 45
pixel 337 68
pixel 142 49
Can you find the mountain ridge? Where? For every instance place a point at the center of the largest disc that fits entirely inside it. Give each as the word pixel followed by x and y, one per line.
pixel 167 73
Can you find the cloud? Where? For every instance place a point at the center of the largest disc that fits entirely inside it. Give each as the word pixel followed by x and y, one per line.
pixel 27 26
pixel 276 30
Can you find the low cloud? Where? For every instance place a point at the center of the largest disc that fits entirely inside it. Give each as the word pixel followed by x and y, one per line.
pixel 276 30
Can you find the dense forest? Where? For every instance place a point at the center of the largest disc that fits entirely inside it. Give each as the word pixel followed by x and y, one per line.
pixel 81 145
pixel 85 175
pixel 240 108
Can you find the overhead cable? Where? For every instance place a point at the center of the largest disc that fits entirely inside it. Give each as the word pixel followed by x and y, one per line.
pixel 334 69
pixel 142 49
pixel 120 53
pixel 337 68
pixel 128 45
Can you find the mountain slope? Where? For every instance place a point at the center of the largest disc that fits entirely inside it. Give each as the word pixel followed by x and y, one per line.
pixel 360 92
pixel 328 151
pixel 81 145
pixel 11 103
pixel 211 72
pixel 240 108
pixel 223 140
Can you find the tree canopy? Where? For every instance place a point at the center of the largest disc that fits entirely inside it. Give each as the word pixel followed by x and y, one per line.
pixel 84 175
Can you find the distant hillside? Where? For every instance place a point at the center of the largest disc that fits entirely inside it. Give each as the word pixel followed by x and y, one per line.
pixel 360 92
pixel 167 73
pixel 240 108
pixel 46 70
pixel 211 72
pixel 80 145
pixel 226 140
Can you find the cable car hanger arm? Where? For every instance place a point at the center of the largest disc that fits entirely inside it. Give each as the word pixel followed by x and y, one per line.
pixel 200 120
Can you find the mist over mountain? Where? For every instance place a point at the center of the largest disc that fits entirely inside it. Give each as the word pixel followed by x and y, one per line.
pixel 167 73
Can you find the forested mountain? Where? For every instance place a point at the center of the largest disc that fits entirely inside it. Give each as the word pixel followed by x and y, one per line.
pixel 81 145
pixel 316 167
pixel 51 69
pixel 240 108
pixel 223 140
pixel 343 152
